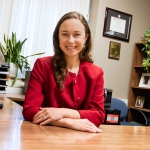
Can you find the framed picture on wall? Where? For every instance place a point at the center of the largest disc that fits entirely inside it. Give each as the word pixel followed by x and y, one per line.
pixel 140 101
pixel 117 24
pixel 114 50
pixel 145 80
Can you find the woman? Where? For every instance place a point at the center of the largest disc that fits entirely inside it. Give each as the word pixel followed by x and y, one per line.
pixel 66 90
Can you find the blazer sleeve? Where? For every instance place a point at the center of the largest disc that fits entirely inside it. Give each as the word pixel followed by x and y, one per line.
pixel 34 96
pixel 95 112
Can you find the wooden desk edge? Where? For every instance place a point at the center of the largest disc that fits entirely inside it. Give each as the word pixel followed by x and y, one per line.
pixel 14 96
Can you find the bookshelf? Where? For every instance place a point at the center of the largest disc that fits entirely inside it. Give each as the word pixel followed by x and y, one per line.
pixel 134 89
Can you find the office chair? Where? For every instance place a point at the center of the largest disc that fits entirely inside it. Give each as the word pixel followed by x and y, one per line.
pixel 139 120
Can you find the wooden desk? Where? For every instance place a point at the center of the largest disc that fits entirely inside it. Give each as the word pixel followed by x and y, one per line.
pixel 16 97
pixel 16 134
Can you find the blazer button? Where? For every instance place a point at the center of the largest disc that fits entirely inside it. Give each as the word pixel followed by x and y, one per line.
pixel 75 82
pixel 78 99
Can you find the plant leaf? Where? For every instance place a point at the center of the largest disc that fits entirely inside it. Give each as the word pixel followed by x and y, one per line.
pixel 15 79
pixel 35 54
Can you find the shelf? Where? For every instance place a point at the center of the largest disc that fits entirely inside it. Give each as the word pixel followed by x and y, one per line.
pixel 138 66
pixel 135 90
pixel 140 46
pixel 136 87
pixel 142 109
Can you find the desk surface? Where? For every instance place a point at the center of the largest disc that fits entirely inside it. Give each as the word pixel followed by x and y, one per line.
pixel 23 135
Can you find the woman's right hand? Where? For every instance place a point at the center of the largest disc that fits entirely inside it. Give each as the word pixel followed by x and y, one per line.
pixel 83 125
pixel 77 124
pixel 51 114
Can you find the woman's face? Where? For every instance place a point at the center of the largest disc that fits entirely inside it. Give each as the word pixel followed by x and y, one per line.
pixel 72 37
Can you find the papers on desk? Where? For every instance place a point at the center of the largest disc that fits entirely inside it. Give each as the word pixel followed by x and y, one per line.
pixel 3 85
pixel 4 72
pixel 3 79
pixel 4 76
pixel 3 92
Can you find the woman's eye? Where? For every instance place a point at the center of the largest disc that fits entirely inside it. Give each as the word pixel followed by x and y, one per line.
pixel 64 34
pixel 77 34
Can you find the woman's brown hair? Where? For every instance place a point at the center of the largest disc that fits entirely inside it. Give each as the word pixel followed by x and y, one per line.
pixel 59 62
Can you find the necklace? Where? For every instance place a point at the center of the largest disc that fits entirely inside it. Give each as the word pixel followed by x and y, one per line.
pixel 74 70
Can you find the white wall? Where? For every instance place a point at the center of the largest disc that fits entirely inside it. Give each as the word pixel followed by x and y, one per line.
pixel 117 72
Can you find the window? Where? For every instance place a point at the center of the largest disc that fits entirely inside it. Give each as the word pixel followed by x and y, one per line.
pixel 36 20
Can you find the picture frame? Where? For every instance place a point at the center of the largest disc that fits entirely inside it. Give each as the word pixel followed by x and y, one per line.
pixel 114 50
pixel 145 80
pixel 139 101
pixel 117 24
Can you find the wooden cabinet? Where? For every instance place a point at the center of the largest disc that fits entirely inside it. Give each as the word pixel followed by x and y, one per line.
pixel 135 90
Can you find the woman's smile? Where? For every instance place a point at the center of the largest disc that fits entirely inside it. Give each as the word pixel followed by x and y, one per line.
pixel 71 47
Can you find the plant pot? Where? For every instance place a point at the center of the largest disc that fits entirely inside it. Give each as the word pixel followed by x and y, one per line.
pixel 12 70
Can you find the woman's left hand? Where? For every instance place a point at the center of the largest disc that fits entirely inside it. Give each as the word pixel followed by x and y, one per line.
pixel 47 115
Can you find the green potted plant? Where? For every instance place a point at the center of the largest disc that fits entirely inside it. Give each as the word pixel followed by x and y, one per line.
pixel 12 54
pixel 146 42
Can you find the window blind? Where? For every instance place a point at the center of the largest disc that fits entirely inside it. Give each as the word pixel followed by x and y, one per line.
pixel 36 20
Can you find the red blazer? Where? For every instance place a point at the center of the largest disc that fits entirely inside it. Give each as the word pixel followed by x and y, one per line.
pixel 84 92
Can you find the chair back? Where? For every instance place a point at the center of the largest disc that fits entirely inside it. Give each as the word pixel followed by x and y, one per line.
pixel 120 105
pixel 27 77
